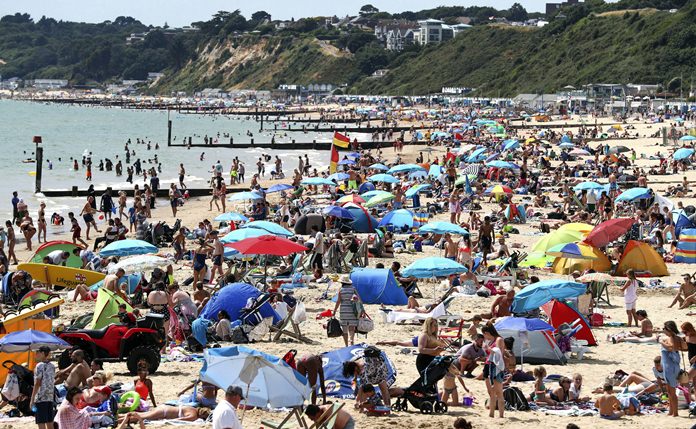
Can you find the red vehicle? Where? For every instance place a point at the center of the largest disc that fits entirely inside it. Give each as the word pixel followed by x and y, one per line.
pixel 117 343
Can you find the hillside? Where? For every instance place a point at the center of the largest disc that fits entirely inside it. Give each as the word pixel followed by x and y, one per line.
pixel 632 46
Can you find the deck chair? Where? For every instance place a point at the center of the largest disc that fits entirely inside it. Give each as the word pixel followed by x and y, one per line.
pixel 600 292
pixel 360 259
pixel 287 423
pixel 328 418
pixel 295 334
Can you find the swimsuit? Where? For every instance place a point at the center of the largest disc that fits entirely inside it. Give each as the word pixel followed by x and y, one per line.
pixel 163 310
pixel 199 261
pixel 217 260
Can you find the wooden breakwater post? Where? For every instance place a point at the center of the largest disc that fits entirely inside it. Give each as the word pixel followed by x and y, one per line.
pixel 39 164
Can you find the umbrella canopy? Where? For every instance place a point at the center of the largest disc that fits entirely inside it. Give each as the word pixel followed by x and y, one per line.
pixel 557 237
pixel 502 164
pixel 270 227
pixel 337 211
pixel 380 167
pixel 351 198
pixel 267 380
pixel 538 294
pixel 346 162
pixel 580 227
pixel 572 251
pixel 379 199
pixel 398 218
pixel 434 266
pixel 337 177
pixel 242 234
pixel 128 248
pixel 383 177
pixel 478 155
pixel 511 144
pixel 374 193
pixel 413 190
pixel 601 277
pixel 279 188
pixel 687 138
pixel 442 228
pixel 318 181
pixel 136 264
pixel 405 168
pixel 267 245
pixel 634 194
pixel 30 340
pixel 618 149
pixel 608 231
pixel 499 189
pixel 523 324
pixel 579 152
pixel 243 196
pixel 231 217
pixel 587 186
pixel 682 153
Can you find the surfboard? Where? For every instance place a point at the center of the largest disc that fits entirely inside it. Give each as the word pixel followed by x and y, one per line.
pixel 61 276
pixel 27 311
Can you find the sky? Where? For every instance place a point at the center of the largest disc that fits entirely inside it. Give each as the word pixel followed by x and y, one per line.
pixel 178 13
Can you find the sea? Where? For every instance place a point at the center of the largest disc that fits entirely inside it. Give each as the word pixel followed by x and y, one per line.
pixel 70 132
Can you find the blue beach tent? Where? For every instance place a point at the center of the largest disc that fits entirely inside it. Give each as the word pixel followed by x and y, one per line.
pixel 378 286
pixel 233 298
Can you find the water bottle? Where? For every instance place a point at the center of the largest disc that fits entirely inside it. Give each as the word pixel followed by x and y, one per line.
pixel 33 409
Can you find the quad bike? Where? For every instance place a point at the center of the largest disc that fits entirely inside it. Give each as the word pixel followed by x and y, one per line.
pixel 116 343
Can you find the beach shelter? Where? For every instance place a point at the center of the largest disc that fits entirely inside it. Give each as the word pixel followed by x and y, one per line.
pixel 634 194
pixel 642 258
pixel 686 247
pixel 36 296
pixel 600 263
pixel 399 218
pixel 560 313
pixel 378 286
pixel 681 222
pixel 555 238
pixel 337 385
pixel 46 248
pixel 363 222
pixel 537 294
pixel 233 298
pixel 304 223
pixel 105 308
pixel 534 341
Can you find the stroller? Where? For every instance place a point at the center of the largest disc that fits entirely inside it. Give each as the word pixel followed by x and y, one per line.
pixel 25 379
pixel 422 394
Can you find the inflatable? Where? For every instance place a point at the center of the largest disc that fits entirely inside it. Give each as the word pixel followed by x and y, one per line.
pixel 123 400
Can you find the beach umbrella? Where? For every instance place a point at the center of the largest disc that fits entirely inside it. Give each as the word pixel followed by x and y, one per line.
pixel 522 324
pixel 379 199
pixel 682 153
pixel 572 251
pixel 270 227
pixel 511 144
pixel 267 245
pixel 374 193
pixel 338 177
pixel 587 186
pixel 537 294
pixel 434 266
pixel 337 211
pixel 608 231
pixel 618 149
pixel 385 178
pixel 435 170
pixel 353 155
pixel 140 263
pixel 442 228
pixel 413 190
pixel 346 162
pixel 378 166
pixel 279 188
pixel 461 180
pixel 583 228
pixel 502 165
pixel 579 152
pixel 601 278
pixel 556 237
pixel 687 138
pixel 318 181
pixel 499 190
pixel 405 168
pixel 351 198
pixel 566 145
pixel 231 217
pixel 417 175
pixel 247 195
pixel 128 248
pixel 269 381
pixel 478 155
pixel 241 234
pixel 398 218
pixel 634 194
pixel 30 340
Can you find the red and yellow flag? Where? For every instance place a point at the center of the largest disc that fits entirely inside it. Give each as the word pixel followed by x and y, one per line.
pixel 333 164
pixel 340 140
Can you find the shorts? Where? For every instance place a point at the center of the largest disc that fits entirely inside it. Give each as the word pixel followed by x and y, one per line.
pixel 352 184
pixel 88 218
pixel 76 233
pixel 217 260
pixel 414 341
pixel 92 295
pixel 44 412
pixel 495 375
pixel 630 305
pixel 181 178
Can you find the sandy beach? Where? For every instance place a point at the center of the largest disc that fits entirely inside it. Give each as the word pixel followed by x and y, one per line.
pixel 601 362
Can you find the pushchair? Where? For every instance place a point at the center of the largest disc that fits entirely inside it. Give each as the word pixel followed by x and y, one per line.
pixel 25 379
pixel 422 394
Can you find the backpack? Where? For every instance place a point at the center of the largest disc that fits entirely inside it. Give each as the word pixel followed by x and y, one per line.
pixel 333 328
pixel 240 334
pixel 515 400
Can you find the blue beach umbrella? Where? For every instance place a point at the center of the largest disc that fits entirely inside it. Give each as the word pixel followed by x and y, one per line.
pixel 634 194
pixel 413 190
pixel 502 164
pixel 346 162
pixel 337 211
pixel 405 168
pixel 231 217
pixel 247 195
pixel 511 144
pixel 242 234
pixel 435 170
pixel 269 227
pixel 417 175
pixel 434 266
pixel 682 153
pixel 538 294
pixel 30 340
pixel 378 166
pixel 128 248
pixel 566 145
pixel 279 188
pixel 338 177
pixel 588 186
pixel 442 228
pixel 398 218
pixel 523 324
pixel 318 181
pixel 478 155
pixel 385 178
pixel 687 138
pixel 370 194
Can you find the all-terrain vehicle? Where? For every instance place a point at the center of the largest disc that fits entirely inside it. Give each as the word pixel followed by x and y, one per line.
pixel 116 343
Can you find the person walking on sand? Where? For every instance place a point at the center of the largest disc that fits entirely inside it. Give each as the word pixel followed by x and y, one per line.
pixel 75 229
pixel 182 175
pixel 87 214
pixel 11 241
pixel 630 291
pixel 347 302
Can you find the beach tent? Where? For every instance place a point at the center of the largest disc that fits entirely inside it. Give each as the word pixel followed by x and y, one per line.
pixel 363 222
pixel 568 265
pixel 642 258
pixel 686 247
pixel 233 298
pixel 681 221
pixel 366 187
pixel 378 286
pixel 46 248
pixel 560 313
pixel 304 224
pixel 105 308
pixel 516 214
pixel 537 347
pixel 337 385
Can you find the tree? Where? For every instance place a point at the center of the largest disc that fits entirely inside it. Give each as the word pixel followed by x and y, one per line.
pixel 259 16
pixel 368 9
pixel 517 13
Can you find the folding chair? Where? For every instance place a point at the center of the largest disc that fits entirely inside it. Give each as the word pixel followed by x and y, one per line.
pixel 295 334
pixel 328 419
pixel 600 292
pixel 286 423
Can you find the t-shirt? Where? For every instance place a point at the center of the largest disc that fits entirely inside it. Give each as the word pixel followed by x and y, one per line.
pixel 46 372
pixel 56 257
pixel 319 242
pixel 631 292
pixel 471 352
pixel 225 417
pixel 659 375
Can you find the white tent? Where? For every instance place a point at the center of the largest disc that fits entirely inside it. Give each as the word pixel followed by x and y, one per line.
pixel 535 347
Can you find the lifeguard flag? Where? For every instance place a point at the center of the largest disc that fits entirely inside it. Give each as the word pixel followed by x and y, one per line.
pixel 341 141
pixel 333 164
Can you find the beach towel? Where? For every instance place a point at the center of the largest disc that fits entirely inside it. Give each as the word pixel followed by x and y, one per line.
pixel 400 316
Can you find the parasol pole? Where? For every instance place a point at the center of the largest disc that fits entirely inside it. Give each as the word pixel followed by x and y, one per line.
pixel 246 395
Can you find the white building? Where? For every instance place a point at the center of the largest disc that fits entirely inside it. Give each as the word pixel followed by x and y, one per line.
pixel 49 83
pixel 434 31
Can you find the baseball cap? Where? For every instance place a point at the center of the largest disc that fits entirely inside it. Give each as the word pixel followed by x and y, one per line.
pixel 234 390
pixel 104 390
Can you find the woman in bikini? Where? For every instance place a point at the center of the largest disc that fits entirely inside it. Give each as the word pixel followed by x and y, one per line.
pixel 182 413
pixel 199 267
pixel 41 222
pixel 159 302
pixel 28 229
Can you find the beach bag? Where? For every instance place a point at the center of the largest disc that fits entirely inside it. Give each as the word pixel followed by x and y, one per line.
pixel 333 328
pixel 240 334
pixel 597 319
pixel 515 400
pixel 365 324
pixel 11 388
pixel 484 292
pixel 300 314
pixel 289 358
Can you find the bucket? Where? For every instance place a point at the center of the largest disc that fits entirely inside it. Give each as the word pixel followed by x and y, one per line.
pixel 467 401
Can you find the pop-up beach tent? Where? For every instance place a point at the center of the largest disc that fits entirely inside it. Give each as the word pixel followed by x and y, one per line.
pixel 362 221
pixel 105 308
pixel 642 258
pixel 66 246
pixel 378 286
pixel 305 223
pixel 233 298
pixel 560 313
pixel 686 247
pixel 534 341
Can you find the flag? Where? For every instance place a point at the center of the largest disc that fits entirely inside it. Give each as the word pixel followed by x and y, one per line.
pixel 340 140
pixel 333 163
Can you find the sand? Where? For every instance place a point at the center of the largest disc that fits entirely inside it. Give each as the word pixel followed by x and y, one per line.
pixel 602 361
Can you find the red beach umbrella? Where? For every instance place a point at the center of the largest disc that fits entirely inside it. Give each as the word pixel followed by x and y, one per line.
pixel 267 245
pixel 608 231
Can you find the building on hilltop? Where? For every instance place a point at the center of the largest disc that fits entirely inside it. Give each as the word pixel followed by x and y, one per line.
pixel 396 35
pixel 552 8
pixel 49 83
pixel 434 31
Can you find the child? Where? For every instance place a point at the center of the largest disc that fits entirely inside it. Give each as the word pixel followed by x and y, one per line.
pixel 143 385
pixel 608 405
pixel 540 389
pixel 473 330
pixel 370 399
pixel 76 230
pixel 449 386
